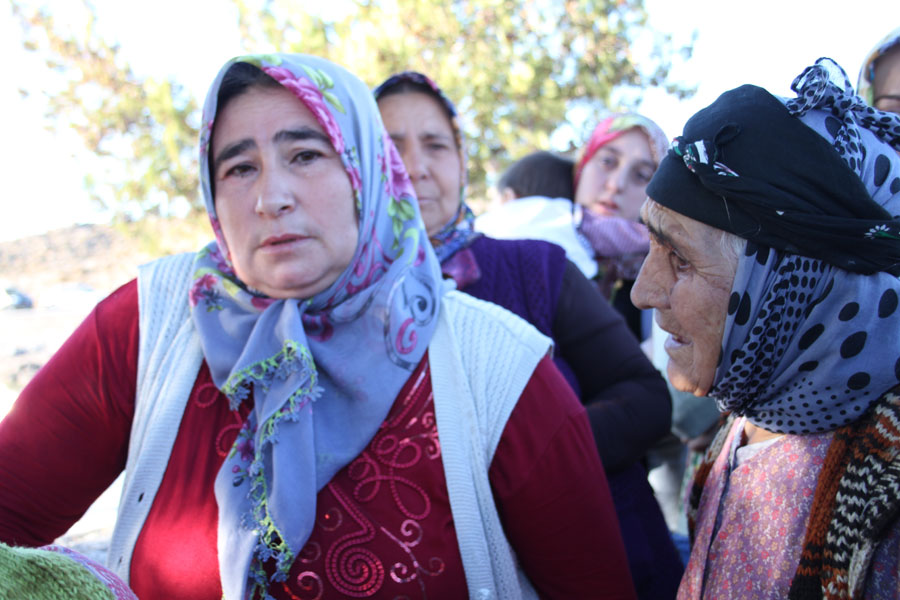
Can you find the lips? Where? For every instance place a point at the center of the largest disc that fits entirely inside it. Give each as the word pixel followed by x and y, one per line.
pixel 606 207
pixel 280 240
pixel 674 340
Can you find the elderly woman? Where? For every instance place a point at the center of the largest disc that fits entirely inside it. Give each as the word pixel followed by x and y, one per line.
pixel 879 77
pixel 775 250
pixel 626 399
pixel 304 408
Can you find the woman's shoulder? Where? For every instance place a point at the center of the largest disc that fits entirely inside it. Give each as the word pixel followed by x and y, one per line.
pixel 480 321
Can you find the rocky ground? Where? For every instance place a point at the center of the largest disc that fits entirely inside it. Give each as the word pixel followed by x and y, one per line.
pixel 65 273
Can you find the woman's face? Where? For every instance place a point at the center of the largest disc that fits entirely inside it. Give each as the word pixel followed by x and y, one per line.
pixel 614 180
pixel 421 130
pixel 886 83
pixel 282 196
pixel 687 278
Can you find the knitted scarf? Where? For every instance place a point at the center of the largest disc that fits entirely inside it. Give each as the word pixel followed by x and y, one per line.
pixel 56 573
pixel 857 499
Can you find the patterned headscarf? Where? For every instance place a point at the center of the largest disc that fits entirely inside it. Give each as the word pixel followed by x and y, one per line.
pixel 323 371
pixel 867 71
pixel 808 346
pixel 614 126
pixel 458 232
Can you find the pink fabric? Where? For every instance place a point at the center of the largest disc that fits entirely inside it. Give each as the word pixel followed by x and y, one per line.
pixel 118 587
pixel 614 236
pixel 752 520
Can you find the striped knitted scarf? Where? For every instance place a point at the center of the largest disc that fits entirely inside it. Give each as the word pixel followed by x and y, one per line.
pixel 856 499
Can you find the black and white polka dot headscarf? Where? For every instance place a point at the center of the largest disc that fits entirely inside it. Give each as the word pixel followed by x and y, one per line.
pixel 809 346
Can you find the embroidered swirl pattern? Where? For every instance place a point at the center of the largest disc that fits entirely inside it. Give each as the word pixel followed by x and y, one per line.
pixel 371 535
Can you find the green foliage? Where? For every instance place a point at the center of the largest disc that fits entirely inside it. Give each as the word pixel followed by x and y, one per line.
pixel 517 69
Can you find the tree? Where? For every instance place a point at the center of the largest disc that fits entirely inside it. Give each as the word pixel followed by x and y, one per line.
pixel 515 68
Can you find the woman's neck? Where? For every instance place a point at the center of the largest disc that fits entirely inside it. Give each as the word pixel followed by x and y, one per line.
pixel 754 434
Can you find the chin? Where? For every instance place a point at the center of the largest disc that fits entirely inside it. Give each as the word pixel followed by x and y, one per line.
pixel 685 383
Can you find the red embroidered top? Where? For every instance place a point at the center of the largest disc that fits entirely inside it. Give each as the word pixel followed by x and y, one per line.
pixel 384 527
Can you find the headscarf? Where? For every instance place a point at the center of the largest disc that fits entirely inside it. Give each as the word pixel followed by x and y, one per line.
pixel 867 71
pixel 459 232
pixel 619 245
pixel 808 344
pixel 322 372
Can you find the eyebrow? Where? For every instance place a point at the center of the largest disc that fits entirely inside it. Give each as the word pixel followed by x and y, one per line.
pixel 659 235
pixel 304 133
pixel 426 136
pixel 617 152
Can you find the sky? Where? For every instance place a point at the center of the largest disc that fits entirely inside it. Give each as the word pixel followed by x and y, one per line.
pixel 765 42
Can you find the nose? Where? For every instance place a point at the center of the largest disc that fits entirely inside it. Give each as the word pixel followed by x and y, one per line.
pixel 617 180
pixel 651 288
pixel 276 196
pixel 415 161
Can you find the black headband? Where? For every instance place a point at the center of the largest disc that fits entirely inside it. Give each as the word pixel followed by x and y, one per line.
pixel 747 166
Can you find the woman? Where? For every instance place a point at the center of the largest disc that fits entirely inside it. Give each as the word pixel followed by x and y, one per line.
pixel 295 403
pixel 879 77
pixel 775 250
pixel 626 400
pixel 611 176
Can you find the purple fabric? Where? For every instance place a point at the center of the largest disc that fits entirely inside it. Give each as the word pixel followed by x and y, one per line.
pixel 752 521
pixel 652 557
pixel 524 277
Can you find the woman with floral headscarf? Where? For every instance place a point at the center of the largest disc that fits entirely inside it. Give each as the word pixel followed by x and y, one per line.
pixel 626 399
pixel 304 408
pixel 774 255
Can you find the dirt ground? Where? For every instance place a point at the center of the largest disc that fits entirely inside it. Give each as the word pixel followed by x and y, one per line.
pixel 65 273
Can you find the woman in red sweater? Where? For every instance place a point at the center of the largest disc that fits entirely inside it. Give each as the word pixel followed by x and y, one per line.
pixel 288 428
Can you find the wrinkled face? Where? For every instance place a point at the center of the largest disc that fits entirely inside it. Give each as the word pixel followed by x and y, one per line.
pixel 886 83
pixel 423 134
pixel 614 180
pixel 687 278
pixel 282 196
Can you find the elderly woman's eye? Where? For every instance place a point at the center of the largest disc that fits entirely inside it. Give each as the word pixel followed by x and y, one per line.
pixel 678 263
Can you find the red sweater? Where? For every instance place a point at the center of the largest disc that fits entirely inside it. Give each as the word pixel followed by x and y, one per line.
pixel 384 526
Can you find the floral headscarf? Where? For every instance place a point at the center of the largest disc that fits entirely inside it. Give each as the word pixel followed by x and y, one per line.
pixel 323 371
pixel 867 71
pixel 809 346
pixel 614 126
pixel 458 232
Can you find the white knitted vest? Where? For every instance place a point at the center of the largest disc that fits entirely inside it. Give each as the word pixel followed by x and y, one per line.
pixel 496 350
